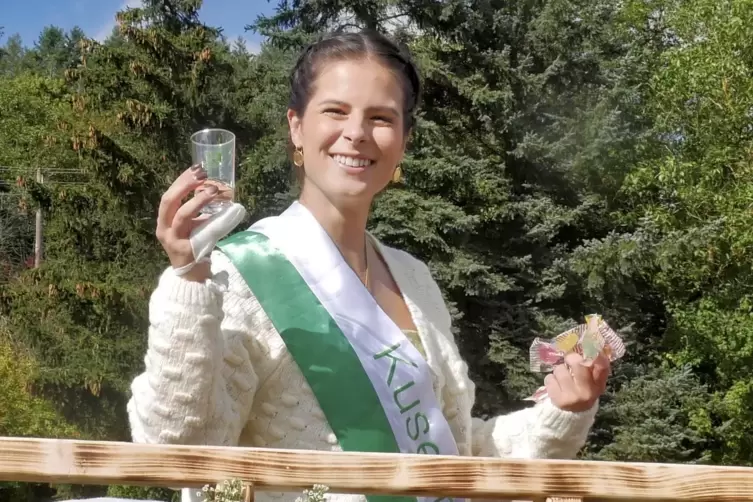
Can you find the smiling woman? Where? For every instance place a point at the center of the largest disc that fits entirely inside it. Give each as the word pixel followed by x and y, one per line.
pixel 305 331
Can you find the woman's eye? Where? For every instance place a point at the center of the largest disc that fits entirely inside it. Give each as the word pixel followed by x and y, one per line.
pixel 387 120
pixel 334 111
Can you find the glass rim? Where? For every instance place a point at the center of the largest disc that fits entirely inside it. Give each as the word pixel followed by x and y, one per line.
pixel 213 129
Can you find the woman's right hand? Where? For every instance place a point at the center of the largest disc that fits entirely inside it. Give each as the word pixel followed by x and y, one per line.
pixel 175 222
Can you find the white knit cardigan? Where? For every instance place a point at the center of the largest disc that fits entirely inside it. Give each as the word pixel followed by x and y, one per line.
pixel 218 373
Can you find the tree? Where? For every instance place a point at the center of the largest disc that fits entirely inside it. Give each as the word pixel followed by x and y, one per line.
pixel 13 56
pixel 52 52
pixel 23 413
pixel 689 204
pixel 520 98
pixel 118 128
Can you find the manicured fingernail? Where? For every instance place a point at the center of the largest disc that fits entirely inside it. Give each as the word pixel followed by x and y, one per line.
pixel 211 190
pixel 196 167
pixel 201 175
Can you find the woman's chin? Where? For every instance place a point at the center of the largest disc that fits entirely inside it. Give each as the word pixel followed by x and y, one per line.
pixel 350 186
pixel 353 187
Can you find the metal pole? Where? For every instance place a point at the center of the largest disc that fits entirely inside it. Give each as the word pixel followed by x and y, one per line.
pixel 38 230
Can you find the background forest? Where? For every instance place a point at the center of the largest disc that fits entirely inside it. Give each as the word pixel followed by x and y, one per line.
pixel 571 157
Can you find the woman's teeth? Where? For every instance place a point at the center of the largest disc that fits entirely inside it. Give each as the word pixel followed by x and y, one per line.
pixel 352 161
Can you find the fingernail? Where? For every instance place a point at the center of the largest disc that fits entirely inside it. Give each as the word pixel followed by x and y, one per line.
pixel 201 175
pixel 196 167
pixel 211 190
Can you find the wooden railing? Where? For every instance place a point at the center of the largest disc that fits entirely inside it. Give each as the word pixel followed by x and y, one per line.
pixel 100 463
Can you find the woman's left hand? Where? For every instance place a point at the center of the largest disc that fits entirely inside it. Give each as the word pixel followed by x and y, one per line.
pixel 576 385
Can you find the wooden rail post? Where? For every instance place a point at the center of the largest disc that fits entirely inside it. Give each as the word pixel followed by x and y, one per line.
pixel 248 492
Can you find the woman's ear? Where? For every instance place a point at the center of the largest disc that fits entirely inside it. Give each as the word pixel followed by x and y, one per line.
pixel 294 123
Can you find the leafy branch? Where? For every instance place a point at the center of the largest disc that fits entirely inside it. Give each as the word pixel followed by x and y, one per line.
pixel 233 491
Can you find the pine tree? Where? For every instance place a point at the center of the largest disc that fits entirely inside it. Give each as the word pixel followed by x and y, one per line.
pixel 520 98
pixel 121 121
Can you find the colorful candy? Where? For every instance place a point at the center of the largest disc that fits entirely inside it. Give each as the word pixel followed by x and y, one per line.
pixel 589 340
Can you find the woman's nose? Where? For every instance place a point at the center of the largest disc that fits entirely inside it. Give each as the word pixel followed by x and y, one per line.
pixel 354 130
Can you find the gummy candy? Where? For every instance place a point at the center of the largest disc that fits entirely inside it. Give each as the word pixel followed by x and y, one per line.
pixel 590 339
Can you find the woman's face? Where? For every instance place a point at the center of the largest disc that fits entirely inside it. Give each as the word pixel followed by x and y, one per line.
pixel 352 131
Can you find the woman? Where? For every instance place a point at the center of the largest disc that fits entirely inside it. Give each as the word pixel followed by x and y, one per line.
pixel 237 345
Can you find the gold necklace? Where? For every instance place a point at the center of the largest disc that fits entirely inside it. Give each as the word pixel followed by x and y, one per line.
pixel 364 281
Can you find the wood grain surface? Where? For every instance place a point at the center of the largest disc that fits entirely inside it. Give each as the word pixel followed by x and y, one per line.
pixel 91 462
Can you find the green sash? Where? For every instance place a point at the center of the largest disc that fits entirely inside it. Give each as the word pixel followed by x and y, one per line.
pixel 330 365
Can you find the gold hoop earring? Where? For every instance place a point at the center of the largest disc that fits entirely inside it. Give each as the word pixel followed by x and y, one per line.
pixel 298 156
pixel 397 176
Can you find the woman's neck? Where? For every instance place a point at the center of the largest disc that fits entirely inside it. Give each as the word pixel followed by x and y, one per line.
pixel 346 226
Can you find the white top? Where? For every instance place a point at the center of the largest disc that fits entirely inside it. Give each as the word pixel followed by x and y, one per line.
pixel 218 373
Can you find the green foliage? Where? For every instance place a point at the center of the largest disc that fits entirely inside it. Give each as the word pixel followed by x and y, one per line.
pixel 689 204
pixel 656 417
pixel 143 493
pixel 24 414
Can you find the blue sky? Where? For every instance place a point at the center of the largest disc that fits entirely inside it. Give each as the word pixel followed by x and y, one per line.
pixel 97 17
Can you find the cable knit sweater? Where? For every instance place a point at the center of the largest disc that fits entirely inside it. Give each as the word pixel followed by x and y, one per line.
pixel 218 373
